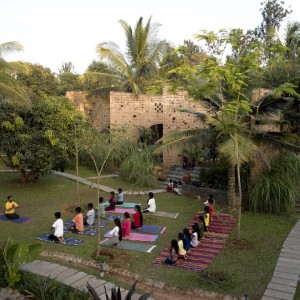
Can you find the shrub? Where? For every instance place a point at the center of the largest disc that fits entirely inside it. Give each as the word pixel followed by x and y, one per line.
pixel 276 189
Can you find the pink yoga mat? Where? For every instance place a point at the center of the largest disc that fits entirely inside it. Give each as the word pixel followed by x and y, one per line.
pixel 137 237
pixel 121 210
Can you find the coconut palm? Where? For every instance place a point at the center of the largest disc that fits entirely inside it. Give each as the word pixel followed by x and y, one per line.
pixel 133 71
pixel 10 88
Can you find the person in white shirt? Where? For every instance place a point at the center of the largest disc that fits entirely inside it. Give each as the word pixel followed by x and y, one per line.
pixel 120 197
pixel 90 216
pixel 151 204
pixel 116 233
pixel 58 227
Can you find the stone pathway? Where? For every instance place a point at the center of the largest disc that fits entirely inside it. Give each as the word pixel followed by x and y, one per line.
pixel 73 278
pixel 287 271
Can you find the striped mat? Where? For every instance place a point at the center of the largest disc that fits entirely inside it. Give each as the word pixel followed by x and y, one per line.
pixel 201 257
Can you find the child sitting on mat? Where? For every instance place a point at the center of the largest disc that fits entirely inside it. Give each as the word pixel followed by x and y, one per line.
pixel 173 253
pixel 58 226
pixel 126 225
pixel 195 235
pixel 116 232
pixel 151 204
pixel 201 227
pixel 120 196
pixel 101 208
pixel 112 203
pixel 186 240
pixel 10 208
pixel 181 251
pixel 206 218
pixel 137 218
pixel 90 216
pixel 78 220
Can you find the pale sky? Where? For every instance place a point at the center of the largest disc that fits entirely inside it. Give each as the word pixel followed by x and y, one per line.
pixel 57 31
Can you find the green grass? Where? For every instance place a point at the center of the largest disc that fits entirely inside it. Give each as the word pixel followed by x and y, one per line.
pixel 241 271
pixel 117 182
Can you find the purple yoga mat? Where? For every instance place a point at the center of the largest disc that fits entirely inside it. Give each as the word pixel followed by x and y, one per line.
pixel 121 210
pixel 137 237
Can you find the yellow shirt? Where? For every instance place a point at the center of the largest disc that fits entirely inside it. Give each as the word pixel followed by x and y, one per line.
pixel 9 205
pixel 206 219
pixel 181 249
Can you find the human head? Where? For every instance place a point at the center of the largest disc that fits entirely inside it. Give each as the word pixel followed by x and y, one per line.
pixel 211 201
pixel 195 227
pixel 117 222
pixel 206 209
pixel 201 218
pixel 90 205
pixel 186 231
pixel 57 215
pixel 100 199
pixel 126 215
pixel 9 198
pixel 151 195
pixel 180 236
pixel 78 209
pixel 112 193
pixel 174 245
pixel 120 190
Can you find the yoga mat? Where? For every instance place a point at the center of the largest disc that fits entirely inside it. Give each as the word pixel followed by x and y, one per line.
pixel 138 247
pixel 137 237
pixel 93 226
pixel 125 204
pixel 68 241
pixel 118 210
pixel 201 257
pixel 111 217
pixel 86 231
pixel 166 214
pixel 21 220
pixel 150 229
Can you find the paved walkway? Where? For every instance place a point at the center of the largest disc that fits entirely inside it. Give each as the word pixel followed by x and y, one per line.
pixel 287 271
pixel 95 185
pixel 73 278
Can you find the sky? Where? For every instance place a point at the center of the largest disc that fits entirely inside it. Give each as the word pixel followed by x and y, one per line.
pixel 57 31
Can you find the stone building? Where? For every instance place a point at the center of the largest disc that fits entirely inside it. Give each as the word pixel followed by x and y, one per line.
pixel 148 111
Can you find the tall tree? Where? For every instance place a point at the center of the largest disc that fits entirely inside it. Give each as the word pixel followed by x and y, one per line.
pixel 133 71
pixel 10 88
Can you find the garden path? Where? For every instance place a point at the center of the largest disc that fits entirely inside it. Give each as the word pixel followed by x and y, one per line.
pixel 73 278
pixel 287 271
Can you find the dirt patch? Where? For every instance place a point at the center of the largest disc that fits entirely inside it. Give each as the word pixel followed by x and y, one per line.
pixel 70 207
pixel 240 244
pixel 113 257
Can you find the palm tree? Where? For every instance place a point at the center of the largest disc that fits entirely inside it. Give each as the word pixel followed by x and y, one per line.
pixel 133 71
pixel 10 88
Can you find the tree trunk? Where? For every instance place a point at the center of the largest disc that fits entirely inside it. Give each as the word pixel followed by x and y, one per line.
pixel 239 202
pixel 24 177
pixel 231 186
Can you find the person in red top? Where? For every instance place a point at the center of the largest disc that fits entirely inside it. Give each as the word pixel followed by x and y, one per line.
pixel 137 218
pixel 112 202
pixel 78 220
pixel 126 225
pixel 211 202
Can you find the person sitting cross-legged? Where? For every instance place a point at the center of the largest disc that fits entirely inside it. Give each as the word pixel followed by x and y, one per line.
pixel 58 226
pixel 10 208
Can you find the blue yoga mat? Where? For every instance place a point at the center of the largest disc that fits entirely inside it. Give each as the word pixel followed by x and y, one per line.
pixel 85 232
pixel 125 204
pixel 93 226
pixel 21 220
pixel 150 229
pixel 67 241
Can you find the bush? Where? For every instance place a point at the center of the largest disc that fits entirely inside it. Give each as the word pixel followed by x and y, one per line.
pixel 276 189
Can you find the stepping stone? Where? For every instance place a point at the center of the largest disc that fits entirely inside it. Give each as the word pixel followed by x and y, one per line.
pixel 290 260
pixel 268 298
pixel 281 288
pixel 46 269
pixel 278 295
pixel 288 265
pixel 56 272
pixel 97 283
pixel 30 265
pixel 38 267
pixel 287 270
pixel 286 276
pixel 287 282
pixel 80 284
pixel 289 255
pixel 290 251
pixel 74 278
pixel 66 274
pixel 108 286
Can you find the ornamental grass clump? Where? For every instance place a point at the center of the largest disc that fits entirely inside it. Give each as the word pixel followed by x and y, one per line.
pixel 276 189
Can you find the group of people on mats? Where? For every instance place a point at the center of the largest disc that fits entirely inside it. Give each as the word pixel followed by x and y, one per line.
pixel 187 240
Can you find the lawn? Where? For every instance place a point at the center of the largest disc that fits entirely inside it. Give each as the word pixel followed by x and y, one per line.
pixel 234 271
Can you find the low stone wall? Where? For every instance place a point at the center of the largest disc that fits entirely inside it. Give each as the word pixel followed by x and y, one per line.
pixel 196 192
